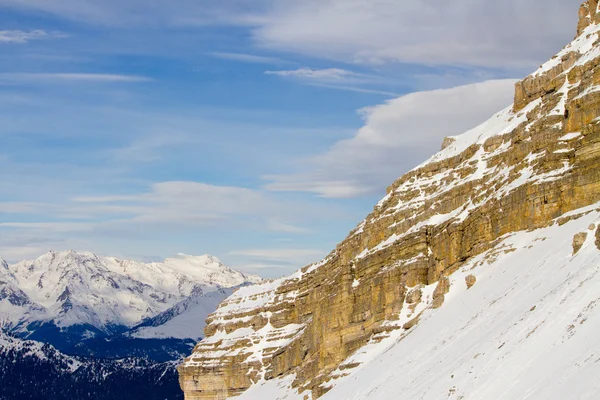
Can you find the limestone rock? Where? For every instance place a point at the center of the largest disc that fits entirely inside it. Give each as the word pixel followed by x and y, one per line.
pixel 447 142
pixel 543 162
pixel 411 323
pixel 442 288
pixel 414 296
pixel 438 301
pixel 470 281
pixel 578 241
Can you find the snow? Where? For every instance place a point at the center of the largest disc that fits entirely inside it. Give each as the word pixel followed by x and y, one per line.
pixel 570 136
pixel 528 329
pixel 503 122
pixel 583 44
pixel 188 323
pixel 70 288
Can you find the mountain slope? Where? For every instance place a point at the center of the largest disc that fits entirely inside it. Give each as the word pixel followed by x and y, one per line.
pixel 527 329
pixel 529 165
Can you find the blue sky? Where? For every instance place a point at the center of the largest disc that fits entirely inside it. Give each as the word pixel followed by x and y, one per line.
pixel 258 131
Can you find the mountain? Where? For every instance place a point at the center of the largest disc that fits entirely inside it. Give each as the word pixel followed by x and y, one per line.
pixel 38 371
pixel 77 301
pixel 98 324
pixel 475 277
pixel 186 317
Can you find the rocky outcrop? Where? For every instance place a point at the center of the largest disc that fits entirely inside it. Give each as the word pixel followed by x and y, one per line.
pixel 441 290
pixel 527 166
pixel 598 238
pixel 414 296
pixel 470 280
pixel 578 241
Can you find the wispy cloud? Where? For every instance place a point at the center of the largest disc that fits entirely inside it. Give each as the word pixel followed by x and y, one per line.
pixel 278 226
pixel 73 77
pixel 248 58
pixel 358 89
pixel 322 75
pixel 336 78
pixel 22 37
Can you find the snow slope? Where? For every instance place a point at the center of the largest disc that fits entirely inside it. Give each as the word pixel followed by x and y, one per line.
pixel 528 329
pixel 184 319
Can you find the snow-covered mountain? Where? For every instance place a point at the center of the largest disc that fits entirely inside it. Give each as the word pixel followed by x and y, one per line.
pixel 83 295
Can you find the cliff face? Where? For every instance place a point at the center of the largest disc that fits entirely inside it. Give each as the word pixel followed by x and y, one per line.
pixel 528 165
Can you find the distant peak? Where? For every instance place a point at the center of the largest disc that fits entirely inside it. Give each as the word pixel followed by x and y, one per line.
pixel 207 258
pixel 70 254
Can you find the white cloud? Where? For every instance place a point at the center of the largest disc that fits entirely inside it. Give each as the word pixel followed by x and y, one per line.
pixel 335 78
pixel 327 75
pixel 278 226
pixel 460 32
pixel 21 37
pixel 74 77
pixel 174 204
pixel 247 58
pixel 397 136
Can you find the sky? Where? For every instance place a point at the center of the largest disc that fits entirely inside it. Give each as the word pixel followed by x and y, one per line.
pixel 258 131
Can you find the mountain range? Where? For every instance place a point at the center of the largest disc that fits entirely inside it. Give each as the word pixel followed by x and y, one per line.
pixel 89 324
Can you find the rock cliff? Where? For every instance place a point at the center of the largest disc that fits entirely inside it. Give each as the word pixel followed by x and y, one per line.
pixel 528 165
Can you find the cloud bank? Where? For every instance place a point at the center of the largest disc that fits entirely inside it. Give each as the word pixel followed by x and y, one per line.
pixel 397 136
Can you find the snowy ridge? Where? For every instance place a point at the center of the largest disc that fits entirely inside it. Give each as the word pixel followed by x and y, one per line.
pixel 482 344
pixel 70 288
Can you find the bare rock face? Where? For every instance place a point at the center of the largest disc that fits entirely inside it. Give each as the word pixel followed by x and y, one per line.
pixel 598 238
pixel 414 296
pixel 447 142
pixel 578 241
pixel 411 323
pixel 470 280
pixel 528 166
pixel 439 294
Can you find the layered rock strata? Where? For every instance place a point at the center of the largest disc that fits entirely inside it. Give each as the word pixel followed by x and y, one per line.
pixel 525 167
